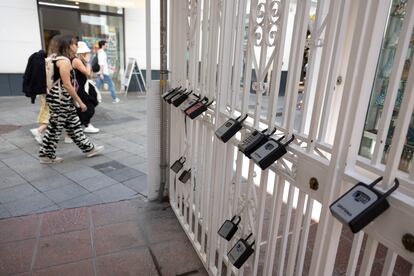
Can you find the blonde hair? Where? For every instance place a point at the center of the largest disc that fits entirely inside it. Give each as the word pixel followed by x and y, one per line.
pixel 82 57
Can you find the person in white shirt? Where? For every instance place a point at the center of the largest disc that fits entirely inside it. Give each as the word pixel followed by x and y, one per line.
pixel 103 74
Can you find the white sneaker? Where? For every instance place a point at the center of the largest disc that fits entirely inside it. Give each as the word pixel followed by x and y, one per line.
pixel 117 100
pixel 67 140
pixel 47 160
pixel 37 135
pixel 91 129
pixel 96 150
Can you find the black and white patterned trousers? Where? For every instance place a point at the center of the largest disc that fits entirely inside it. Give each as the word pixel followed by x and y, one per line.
pixel 62 115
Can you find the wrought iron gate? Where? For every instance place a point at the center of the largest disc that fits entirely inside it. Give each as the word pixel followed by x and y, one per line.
pixel 237 52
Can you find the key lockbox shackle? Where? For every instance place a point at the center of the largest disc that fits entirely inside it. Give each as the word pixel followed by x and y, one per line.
pixel 178 93
pixel 271 133
pixel 264 132
pixel 390 190
pixel 287 142
pixel 236 217
pixel 248 237
pixel 172 90
pixel 242 120
pixel 171 95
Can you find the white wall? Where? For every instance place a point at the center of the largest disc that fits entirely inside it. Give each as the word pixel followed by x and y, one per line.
pixel 135 34
pixel 19 34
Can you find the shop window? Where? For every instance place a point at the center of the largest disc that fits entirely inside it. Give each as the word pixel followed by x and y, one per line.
pixel 89 23
pixel 379 91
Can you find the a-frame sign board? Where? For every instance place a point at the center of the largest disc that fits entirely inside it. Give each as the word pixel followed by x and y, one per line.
pixel 133 70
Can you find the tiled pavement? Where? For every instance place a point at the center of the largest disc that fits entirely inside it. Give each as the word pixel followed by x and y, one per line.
pixel 28 187
pixel 123 238
pixel 128 237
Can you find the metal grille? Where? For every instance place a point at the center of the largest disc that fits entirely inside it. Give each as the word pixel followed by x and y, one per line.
pixel 236 52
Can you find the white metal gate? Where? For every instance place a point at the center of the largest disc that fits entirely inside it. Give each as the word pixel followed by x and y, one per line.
pixel 233 51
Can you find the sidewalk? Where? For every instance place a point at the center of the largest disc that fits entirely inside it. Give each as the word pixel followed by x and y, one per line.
pixel 129 236
pixel 27 187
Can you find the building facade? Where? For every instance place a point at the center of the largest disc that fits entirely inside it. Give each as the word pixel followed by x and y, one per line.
pixel 28 25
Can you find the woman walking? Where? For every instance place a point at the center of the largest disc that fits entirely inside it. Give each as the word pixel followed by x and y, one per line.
pixel 60 99
pixel 86 91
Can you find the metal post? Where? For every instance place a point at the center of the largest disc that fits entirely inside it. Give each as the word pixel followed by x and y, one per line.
pixel 164 123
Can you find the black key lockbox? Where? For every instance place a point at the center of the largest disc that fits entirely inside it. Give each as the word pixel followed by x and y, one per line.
pixel 177 95
pixel 269 152
pixel 174 90
pixel 229 228
pixel 361 205
pixel 191 100
pixel 198 108
pixel 185 176
pixel 254 141
pixel 171 95
pixel 178 165
pixel 179 99
pixel 240 252
pixel 229 128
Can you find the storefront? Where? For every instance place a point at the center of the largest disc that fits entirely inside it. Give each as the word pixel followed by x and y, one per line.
pixel 88 22
pixel 381 88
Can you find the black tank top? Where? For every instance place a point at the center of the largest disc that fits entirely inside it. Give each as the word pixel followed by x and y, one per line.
pixel 56 72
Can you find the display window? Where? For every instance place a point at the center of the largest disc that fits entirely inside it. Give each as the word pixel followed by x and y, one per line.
pixel 380 90
pixel 89 23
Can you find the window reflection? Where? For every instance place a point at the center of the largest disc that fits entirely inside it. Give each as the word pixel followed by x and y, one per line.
pixel 379 92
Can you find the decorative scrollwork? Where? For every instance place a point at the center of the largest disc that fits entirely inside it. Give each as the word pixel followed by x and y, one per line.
pixel 260 13
pixel 266 18
pixel 258 34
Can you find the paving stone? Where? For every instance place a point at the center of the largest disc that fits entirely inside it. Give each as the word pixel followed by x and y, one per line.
pixel 14 193
pixel 10 178
pixel 36 173
pixel 138 184
pixel 4 146
pixel 82 268
pixel 64 221
pixel 66 166
pixel 16 229
pixel 99 159
pixel 4 213
pixel 82 174
pixel 16 257
pixel 51 208
pixel 119 154
pixel 162 229
pixel 65 193
pixel 63 248
pixel 84 200
pixel 109 166
pixel 131 262
pixel 116 237
pixel 8 151
pixel 97 182
pixel 28 205
pixel 115 193
pixel 132 160
pixel 124 174
pixel 185 259
pixel 115 212
pixel 23 162
pixel 50 183
pixel 141 167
